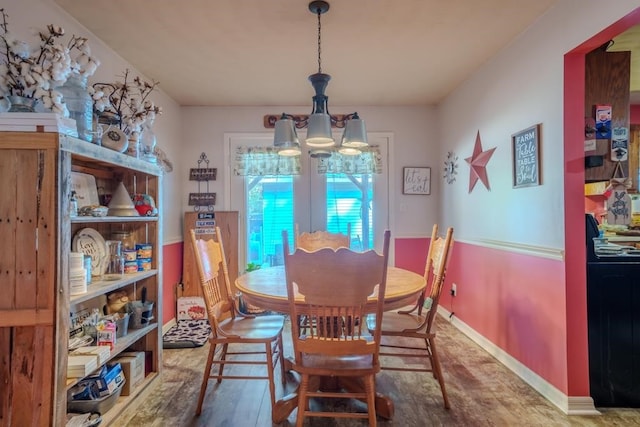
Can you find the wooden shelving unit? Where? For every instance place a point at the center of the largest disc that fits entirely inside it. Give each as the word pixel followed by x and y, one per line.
pixel 35 168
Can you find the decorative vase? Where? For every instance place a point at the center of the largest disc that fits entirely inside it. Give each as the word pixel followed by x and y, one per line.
pixel 148 144
pixel 103 123
pixel 80 104
pixel 22 104
pixel 133 149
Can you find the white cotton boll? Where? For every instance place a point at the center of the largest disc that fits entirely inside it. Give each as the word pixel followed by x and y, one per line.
pixel 38 79
pixel 20 48
pixel 25 69
pixel 47 103
pixel 81 43
pixel 56 95
pixel 82 60
pixel 40 93
pixel 58 75
pixel 46 74
pixel 55 30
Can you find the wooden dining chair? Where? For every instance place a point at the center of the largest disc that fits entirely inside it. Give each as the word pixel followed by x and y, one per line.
pixel 333 289
pixel 229 327
pixel 321 239
pixel 416 323
pixel 318 240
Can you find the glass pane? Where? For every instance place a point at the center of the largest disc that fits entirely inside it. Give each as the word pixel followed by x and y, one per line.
pixel 270 210
pixel 349 201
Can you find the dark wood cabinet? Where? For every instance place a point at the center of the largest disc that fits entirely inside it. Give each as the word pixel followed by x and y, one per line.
pixel 613 307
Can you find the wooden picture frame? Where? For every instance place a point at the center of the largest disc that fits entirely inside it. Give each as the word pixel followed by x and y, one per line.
pixel 416 180
pixel 525 146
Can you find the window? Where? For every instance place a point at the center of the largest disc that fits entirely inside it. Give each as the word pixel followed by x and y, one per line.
pixel 273 202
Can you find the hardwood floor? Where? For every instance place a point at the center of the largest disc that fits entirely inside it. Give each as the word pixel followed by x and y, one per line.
pixel 482 392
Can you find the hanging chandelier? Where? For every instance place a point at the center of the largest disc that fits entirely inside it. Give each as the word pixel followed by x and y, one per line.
pixel 319 138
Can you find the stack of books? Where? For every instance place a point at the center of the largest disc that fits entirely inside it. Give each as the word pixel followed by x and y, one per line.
pixel 101 352
pixel 81 365
pixel 38 122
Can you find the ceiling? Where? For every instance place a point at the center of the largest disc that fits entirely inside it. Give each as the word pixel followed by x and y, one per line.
pixel 260 53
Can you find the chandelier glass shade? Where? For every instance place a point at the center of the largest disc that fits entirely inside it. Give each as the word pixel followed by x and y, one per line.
pixel 319 137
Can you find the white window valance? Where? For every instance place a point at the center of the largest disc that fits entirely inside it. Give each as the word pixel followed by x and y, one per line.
pixel 258 161
pixel 369 161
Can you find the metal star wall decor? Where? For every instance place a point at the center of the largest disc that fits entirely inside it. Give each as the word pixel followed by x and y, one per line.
pixel 478 162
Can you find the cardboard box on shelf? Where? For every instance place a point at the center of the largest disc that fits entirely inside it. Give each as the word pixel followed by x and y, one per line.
pixel 133 367
pixel 107 335
pixel 109 378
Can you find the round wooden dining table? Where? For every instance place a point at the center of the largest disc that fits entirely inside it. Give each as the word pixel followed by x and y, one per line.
pixel 267 288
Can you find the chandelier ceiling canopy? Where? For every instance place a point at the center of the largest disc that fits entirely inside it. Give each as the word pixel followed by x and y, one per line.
pixel 319 138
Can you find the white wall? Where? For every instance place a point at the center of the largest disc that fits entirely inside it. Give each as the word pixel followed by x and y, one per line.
pixel 416 144
pixel 28 17
pixel 518 88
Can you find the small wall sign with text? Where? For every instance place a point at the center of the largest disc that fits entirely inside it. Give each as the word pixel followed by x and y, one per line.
pixel 526 157
pixel 202 199
pixel 416 180
pixel 203 174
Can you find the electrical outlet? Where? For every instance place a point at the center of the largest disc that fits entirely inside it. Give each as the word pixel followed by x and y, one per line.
pixel 454 290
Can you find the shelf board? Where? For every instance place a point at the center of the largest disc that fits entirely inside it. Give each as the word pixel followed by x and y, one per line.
pixel 108 219
pixel 101 155
pixel 122 344
pixel 103 286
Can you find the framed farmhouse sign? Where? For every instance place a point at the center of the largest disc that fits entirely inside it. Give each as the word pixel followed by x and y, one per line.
pixel 416 180
pixel 526 157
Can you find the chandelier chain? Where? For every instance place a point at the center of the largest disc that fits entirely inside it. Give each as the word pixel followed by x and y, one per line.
pixel 319 41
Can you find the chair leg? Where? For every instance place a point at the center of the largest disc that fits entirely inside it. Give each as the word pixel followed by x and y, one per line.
pixel 302 399
pixel 272 384
pixel 223 357
pixel 370 389
pixel 205 377
pixel 437 370
pixel 281 357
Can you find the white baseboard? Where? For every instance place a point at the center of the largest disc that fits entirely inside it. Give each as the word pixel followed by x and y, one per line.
pixel 570 405
pixel 170 324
